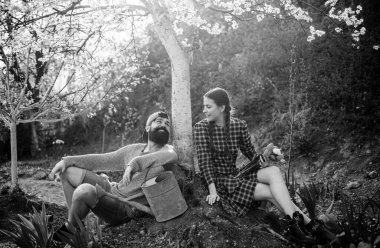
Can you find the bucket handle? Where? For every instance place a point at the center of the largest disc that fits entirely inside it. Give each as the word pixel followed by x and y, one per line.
pixel 146 174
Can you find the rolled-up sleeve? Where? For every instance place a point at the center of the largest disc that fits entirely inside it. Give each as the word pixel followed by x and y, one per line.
pixel 201 139
pixel 245 143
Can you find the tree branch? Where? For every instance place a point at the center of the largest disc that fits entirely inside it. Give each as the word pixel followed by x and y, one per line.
pixel 22 96
pixel 5 116
pixel 84 42
pixel 51 120
pixel 57 12
pixel 6 121
pixel 51 87
pixel 6 62
pixel 118 6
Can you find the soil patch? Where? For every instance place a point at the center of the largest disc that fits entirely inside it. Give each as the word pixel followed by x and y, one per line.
pixel 200 226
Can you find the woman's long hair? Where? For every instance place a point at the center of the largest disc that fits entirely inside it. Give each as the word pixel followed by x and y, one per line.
pixel 220 97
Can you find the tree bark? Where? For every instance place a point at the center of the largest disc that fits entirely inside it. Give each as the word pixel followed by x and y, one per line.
pixel 122 139
pixel 13 130
pixel 34 148
pixel 181 101
pixel 103 138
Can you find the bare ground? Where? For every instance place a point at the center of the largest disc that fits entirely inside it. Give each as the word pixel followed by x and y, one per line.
pixel 201 225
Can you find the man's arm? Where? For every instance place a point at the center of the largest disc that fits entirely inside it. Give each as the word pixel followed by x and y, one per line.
pixel 167 155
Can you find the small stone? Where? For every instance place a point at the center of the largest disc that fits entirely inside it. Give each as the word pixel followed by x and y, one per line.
pixel 352 185
pixel 40 175
pixel 335 177
pixel 364 245
pixel 377 240
pixel 372 174
pixel 352 245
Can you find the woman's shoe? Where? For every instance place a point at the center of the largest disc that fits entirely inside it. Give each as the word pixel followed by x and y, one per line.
pixel 301 223
pixel 294 231
pixel 319 231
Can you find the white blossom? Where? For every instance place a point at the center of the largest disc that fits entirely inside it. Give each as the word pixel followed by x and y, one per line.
pixel 331 2
pixel 260 17
pixel 58 142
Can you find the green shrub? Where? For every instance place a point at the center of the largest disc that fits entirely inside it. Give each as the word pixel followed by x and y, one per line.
pixel 31 233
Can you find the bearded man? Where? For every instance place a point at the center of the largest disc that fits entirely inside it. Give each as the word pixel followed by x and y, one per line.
pixel 139 162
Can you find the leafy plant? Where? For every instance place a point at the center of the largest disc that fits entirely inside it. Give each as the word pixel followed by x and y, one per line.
pixel 308 195
pixel 291 185
pixel 79 237
pixel 362 217
pixel 31 233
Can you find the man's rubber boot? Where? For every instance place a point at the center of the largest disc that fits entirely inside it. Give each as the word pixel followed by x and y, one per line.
pixel 59 232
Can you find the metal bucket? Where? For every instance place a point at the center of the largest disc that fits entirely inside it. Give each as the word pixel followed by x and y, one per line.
pixel 164 197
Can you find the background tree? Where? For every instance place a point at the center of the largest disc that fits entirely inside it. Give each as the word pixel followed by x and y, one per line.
pixel 45 71
pixel 172 21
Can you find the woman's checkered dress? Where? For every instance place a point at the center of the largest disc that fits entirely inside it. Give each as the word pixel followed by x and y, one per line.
pixel 219 167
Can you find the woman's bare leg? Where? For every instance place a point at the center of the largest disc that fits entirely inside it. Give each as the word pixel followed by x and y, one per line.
pixel 272 177
pixel 263 193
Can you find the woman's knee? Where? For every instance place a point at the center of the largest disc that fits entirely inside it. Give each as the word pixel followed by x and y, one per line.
pixel 269 175
pixel 274 172
pixel 85 193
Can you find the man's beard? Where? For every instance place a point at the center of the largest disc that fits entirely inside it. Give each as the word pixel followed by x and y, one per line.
pixel 160 136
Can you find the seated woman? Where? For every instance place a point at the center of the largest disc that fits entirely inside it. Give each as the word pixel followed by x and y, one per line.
pixel 218 138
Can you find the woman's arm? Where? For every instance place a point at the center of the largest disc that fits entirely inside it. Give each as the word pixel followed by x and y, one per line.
pixel 201 139
pixel 245 143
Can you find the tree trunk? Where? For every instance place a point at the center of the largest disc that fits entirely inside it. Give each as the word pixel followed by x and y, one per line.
pixel 13 129
pixel 34 148
pixel 181 101
pixel 122 139
pixel 103 138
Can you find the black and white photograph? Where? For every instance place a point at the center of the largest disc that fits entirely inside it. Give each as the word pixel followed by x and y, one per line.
pixel 189 123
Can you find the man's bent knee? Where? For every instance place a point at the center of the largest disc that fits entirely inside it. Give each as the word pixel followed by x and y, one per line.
pixel 86 193
pixel 73 175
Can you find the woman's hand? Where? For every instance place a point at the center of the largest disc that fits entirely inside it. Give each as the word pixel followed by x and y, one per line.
pixel 212 198
pixel 59 167
pixel 128 174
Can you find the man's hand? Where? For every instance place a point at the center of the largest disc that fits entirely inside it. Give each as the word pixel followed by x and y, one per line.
pixel 127 174
pixel 212 198
pixel 59 168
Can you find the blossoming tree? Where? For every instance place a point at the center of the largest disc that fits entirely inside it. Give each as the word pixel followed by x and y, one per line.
pixel 47 66
pixel 170 20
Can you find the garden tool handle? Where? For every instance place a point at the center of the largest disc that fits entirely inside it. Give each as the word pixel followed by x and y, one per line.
pixel 139 206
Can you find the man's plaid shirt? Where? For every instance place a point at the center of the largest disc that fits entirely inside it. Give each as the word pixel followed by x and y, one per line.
pixel 220 167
